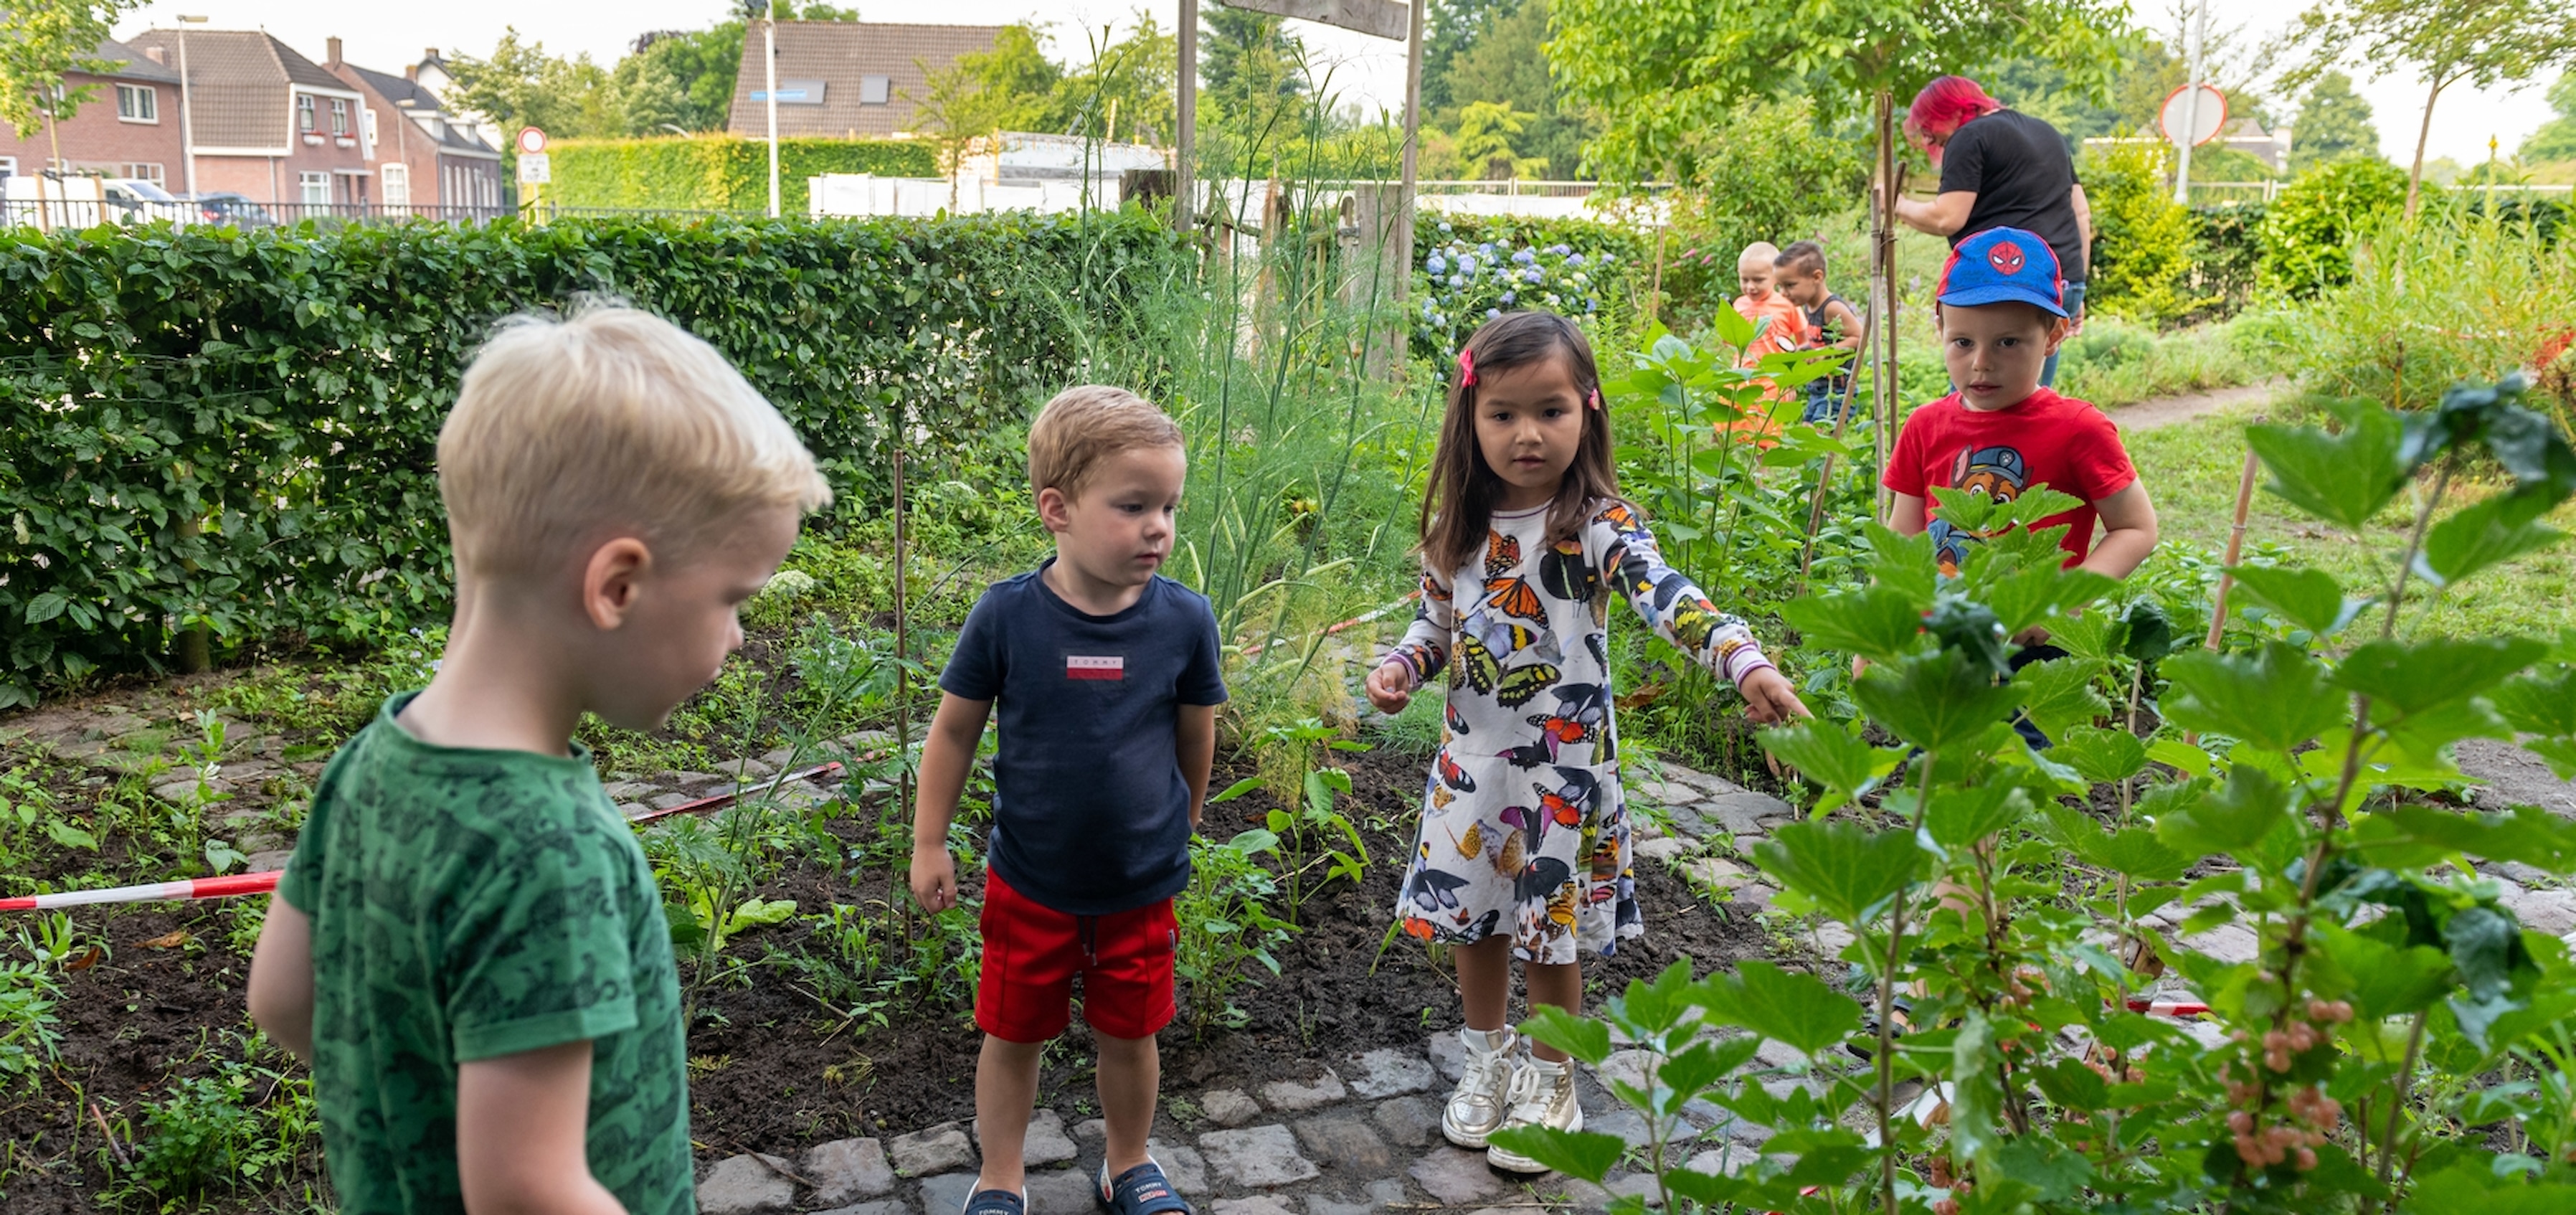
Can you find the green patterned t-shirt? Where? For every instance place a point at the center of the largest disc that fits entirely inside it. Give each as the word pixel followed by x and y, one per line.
pixel 469 904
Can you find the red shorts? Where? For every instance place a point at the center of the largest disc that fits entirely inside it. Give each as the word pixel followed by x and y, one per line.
pixel 1032 953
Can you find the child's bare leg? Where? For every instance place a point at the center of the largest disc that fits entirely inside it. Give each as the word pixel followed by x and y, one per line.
pixel 1559 986
pixel 1006 1086
pixel 1485 981
pixel 1129 1074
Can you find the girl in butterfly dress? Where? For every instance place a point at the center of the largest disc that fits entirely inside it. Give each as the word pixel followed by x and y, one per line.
pixel 1523 850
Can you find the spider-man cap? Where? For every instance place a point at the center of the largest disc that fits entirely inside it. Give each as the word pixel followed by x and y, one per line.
pixel 2000 265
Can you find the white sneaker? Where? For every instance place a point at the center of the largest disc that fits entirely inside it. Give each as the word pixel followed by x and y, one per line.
pixel 1476 1107
pixel 1542 1094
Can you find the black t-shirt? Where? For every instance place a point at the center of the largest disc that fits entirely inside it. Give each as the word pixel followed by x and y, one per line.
pixel 2019 170
pixel 1091 815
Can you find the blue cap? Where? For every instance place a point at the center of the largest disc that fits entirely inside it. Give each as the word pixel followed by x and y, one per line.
pixel 2003 265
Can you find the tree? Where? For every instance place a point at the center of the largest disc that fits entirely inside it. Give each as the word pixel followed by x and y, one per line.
pixel 2556 138
pixel 682 77
pixel 41 41
pixel 1008 88
pixel 1450 29
pixel 1252 78
pixel 1128 82
pixel 1481 149
pixel 1657 72
pixel 1507 64
pixel 522 85
pixel 2477 42
pixel 2334 122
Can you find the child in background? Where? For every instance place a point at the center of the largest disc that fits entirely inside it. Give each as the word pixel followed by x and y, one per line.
pixel 1782 327
pixel 468 945
pixel 1523 849
pixel 1829 321
pixel 2000 316
pixel 1107 678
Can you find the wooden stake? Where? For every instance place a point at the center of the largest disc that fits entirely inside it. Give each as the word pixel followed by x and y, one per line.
pixel 2235 545
pixel 1882 271
pixel 902 651
pixel 1842 422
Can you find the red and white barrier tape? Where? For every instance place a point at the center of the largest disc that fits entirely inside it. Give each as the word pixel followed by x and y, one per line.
pixel 2169 1008
pixel 238 884
pixel 152 892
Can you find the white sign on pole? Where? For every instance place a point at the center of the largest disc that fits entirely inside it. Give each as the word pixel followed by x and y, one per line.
pixel 535 169
pixel 1380 18
pixel 2204 116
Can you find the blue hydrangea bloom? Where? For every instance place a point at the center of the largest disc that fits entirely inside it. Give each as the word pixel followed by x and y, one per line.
pixel 1524 257
pixel 1444 225
pixel 1561 250
pixel 1532 275
pixel 1491 313
pixel 1436 264
pixel 1457 280
pixel 1466 263
pixel 1508 297
pixel 1486 248
pixel 1574 259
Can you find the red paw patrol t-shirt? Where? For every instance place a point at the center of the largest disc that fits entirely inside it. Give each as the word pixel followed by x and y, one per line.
pixel 2047 439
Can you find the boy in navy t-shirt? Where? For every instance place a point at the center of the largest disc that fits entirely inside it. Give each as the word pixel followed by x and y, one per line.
pixel 1107 681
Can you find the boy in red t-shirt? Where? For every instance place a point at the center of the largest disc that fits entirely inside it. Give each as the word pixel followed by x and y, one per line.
pixel 2001 433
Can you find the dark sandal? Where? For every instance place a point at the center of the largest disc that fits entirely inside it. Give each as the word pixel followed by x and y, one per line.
pixel 1142 1190
pixel 996 1202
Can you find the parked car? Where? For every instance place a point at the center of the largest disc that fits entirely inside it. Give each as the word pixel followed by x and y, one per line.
pixel 75 201
pixel 226 207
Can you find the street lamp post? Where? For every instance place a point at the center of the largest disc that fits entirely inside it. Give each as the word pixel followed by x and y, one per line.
pixel 187 120
pixel 769 61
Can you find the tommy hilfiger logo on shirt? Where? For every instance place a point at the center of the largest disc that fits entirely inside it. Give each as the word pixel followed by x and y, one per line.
pixel 1085 666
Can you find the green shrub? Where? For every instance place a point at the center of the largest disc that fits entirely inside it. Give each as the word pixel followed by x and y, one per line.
pixel 2445 297
pixel 235 429
pixel 2146 245
pixel 2231 253
pixel 718 172
pixel 2308 231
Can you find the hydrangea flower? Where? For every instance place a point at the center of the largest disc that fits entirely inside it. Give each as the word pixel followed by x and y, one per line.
pixel 1508 297
pixel 1444 225
pixel 1606 259
pixel 1491 313
pixel 1561 250
pixel 1436 264
pixel 1590 304
pixel 1532 275
pixel 1456 280
pixel 1486 248
pixel 1466 263
pixel 1524 257
pixel 1574 259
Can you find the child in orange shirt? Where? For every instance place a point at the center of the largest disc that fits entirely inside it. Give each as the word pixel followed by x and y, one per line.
pixel 1783 326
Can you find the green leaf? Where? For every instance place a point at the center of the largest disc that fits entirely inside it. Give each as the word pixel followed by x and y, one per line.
pixel 2386 980
pixel 755 913
pixel 2539 704
pixel 2037 595
pixel 2310 599
pixel 1846 870
pixel 1905 564
pixel 1958 817
pixel 1799 1010
pixel 46 606
pixel 2484 945
pixel 2232 819
pixel 1831 756
pixel 1733 328
pixel 1972 630
pixel 2100 756
pixel 2342 478
pixel 2147 634
pixel 2488 533
pixel 2277 700
pixel 1235 790
pixel 2059 695
pixel 2529 445
pixel 1933 700
pixel 69 836
pixel 2058 1174
pixel 1582 1037
pixel 1876 623
pixel 2407 678
pixel 1589 1155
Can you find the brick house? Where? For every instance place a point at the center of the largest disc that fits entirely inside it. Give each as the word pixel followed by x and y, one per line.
pixel 423 155
pixel 129 127
pixel 848 79
pixel 270 124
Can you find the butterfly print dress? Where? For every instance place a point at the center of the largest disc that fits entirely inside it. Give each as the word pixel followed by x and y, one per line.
pixel 1524 828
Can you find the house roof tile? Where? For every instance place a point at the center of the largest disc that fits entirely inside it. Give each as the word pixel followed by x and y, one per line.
pixel 841 54
pixel 239 82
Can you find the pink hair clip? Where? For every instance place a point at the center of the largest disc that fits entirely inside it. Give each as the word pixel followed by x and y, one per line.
pixel 1466 368
pixel 1595 399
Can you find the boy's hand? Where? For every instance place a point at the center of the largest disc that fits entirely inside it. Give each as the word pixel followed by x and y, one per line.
pixel 1390 686
pixel 1768 698
pixel 934 879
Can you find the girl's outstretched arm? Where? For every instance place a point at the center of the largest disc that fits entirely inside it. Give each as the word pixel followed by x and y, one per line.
pixel 1682 614
pixel 1422 652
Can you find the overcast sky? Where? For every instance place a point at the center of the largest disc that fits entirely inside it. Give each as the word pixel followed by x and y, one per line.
pixel 1365 70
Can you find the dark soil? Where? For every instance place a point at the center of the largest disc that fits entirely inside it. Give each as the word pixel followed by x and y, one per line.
pixel 143 1017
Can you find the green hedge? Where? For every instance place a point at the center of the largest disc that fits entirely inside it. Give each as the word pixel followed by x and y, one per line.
pixel 236 428
pixel 718 172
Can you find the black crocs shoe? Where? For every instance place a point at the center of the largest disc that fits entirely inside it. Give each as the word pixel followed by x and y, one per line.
pixel 997 1202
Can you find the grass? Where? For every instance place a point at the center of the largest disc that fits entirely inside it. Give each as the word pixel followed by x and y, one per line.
pixel 2192 470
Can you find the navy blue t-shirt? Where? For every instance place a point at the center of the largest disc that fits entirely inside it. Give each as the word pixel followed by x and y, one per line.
pixel 1091 815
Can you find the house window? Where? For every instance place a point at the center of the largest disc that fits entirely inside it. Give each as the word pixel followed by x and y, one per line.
pixel 138 103
pixel 339 116
pixel 874 90
pixel 397 183
pixel 303 111
pixel 316 188
pixel 146 172
pixel 8 166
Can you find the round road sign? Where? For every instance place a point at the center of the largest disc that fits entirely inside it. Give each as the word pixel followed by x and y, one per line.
pixel 2206 120
pixel 531 140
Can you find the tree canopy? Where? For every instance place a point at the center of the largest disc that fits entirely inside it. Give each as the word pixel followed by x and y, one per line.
pixel 2556 138
pixel 2334 122
pixel 42 40
pixel 1500 60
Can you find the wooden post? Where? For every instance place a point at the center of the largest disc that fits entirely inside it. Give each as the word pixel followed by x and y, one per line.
pixel 2235 546
pixel 902 651
pixel 1882 274
pixel 1186 99
pixel 1404 199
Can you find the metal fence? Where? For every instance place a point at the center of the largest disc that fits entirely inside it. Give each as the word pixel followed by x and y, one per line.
pixel 2208 193
pixel 79 213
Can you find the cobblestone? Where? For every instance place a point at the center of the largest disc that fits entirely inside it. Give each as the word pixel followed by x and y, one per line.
pixel 1386 1073
pixel 1257 1157
pixel 1347 1142
pixel 746 1185
pixel 1296 1097
pixel 1455 1175
pixel 1229 1107
pixel 847 1169
pixel 933 1150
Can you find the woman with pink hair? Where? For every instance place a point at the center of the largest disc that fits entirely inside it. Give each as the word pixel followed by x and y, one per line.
pixel 2000 168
